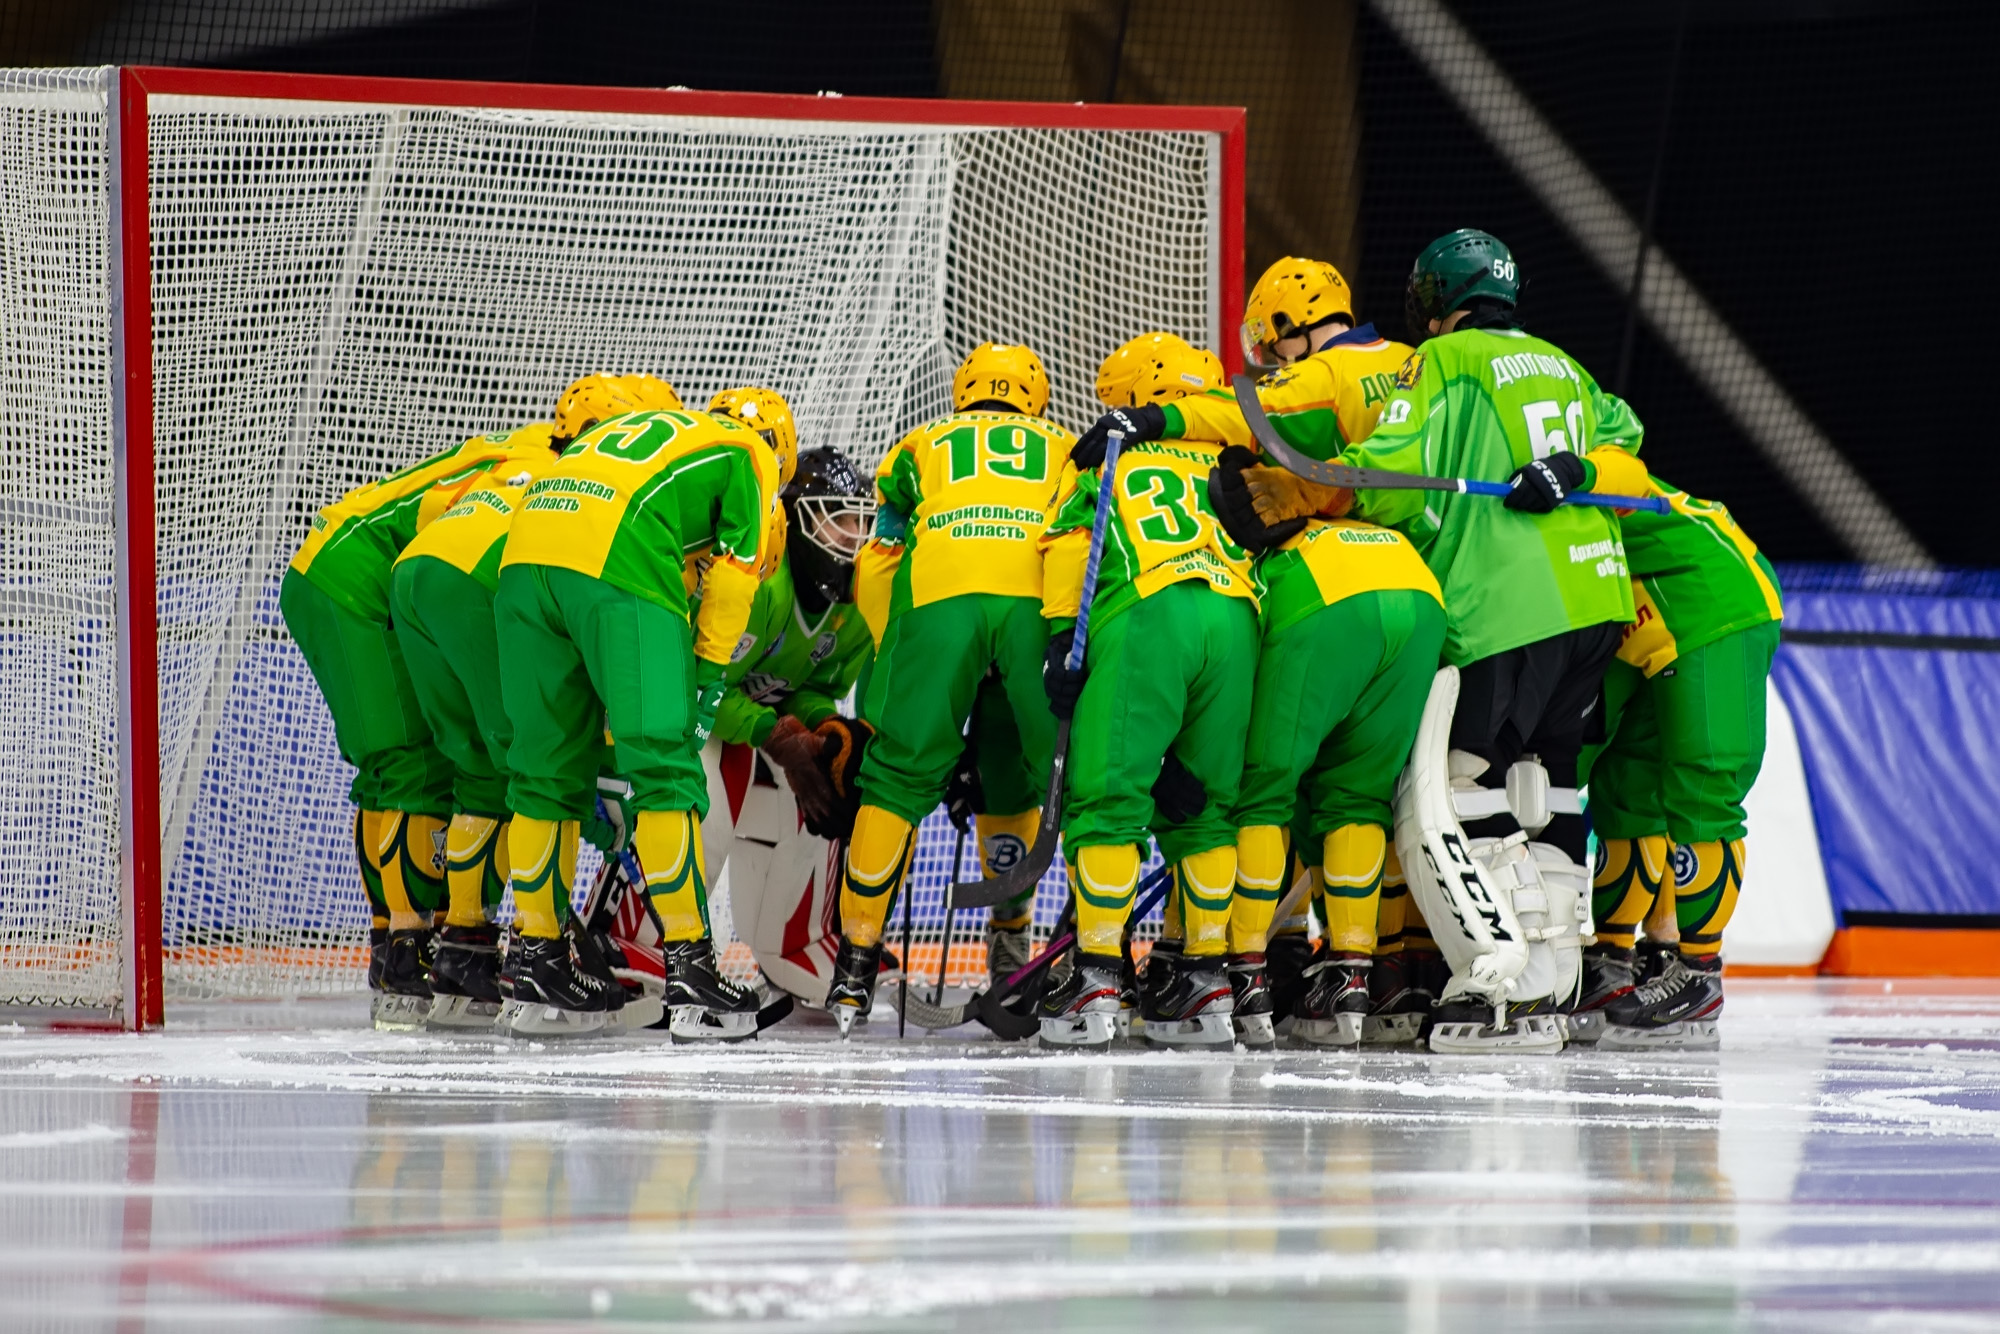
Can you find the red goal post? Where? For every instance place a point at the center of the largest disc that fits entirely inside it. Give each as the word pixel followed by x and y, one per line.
pixel 313 279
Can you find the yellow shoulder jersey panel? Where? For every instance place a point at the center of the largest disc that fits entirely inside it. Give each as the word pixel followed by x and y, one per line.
pixel 409 499
pixel 977 488
pixel 633 498
pixel 1347 556
pixel 480 510
pixel 1320 404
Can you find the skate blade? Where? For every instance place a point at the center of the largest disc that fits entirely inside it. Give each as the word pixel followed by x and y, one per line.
pixel 1387 1030
pixel 693 1023
pixel 1206 1030
pixel 1535 1034
pixel 638 1012
pixel 393 1012
pixel 845 1017
pixel 1688 1035
pixel 1586 1027
pixel 456 1014
pixel 536 1019
pixel 1256 1031
pixel 1343 1030
pixel 1092 1030
pixel 1127 1023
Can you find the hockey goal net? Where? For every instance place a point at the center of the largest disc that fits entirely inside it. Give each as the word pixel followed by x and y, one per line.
pixel 228 298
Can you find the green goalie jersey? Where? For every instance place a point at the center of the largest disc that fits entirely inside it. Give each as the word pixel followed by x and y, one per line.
pixel 790 663
pixel 1480 403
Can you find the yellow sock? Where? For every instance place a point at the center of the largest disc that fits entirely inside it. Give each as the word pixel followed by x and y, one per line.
pixel 365 823
pixel 878 857
pixel 409 853
pixel 1105 879
pixel 1356 855
pixel 1663 923
pixel 475 868
pixel 542 854
pixel 1003 841
pixel 1170 919
pixel 1392 910
pixel 1622 892
pixel 1260 883
pixel 1707 878
pixel 669 848
pixel 1205 884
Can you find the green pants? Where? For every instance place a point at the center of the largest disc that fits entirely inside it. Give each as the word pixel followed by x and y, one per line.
pixel 579 657
pixel 1171 672
pixel 444 620
pixel 1007 785
pixel 1339 696
pixel 1685 745
pixel 930 671
pixel 377 720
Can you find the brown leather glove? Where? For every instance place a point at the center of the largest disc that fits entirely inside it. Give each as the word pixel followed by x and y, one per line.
pixel 1280 495
pixel 795 748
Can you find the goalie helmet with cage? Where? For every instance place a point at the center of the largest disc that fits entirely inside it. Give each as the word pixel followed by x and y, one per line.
pixel 1292 297
pixel 830 512
pixel 1457 268
pixel 598 397
pixel 765 412
pixel 1001 373
pixel 1156 368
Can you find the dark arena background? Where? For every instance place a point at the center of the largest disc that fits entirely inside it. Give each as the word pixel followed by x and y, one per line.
pixel 1760 222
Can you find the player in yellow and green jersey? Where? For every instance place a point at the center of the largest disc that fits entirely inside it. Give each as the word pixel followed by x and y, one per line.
pixel 336 603
pixel 1352 626
pixel 442 598
pixel 596 644
pixel 971 494
pixel 1684 721
pixel 1165 681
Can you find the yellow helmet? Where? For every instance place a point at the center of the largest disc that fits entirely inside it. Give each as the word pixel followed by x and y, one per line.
pixel 765 412
pixel 598 397
pixel 1008 372
pixel 1291 297
pixel 1156 368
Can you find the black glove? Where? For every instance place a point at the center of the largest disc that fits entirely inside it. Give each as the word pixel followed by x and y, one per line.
pixel 1230 495
pixel 1540 486
pixel 963 796
pixel 1178 795
pixel 1062 684
pixel 1146 423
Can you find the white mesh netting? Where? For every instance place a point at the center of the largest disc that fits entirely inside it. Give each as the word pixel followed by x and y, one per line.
pixel 339 289
pixel 59 910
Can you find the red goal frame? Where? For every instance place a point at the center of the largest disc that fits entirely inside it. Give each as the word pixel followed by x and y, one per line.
pixel 142 889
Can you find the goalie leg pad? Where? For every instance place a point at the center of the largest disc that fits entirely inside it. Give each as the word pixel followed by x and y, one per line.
pixel 1475 927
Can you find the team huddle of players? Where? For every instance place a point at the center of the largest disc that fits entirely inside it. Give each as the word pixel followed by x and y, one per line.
pixel 1353 722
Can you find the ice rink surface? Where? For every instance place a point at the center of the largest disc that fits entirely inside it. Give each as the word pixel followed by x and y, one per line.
pixel 1836 1167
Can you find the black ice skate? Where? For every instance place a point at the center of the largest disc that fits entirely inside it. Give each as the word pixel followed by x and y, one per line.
pixel 404 1000
pixel 852 994
pixel 1607 975
pixel 1469 1026
pixel 553 997
pixel 1398 1001
pixel 1677 1009
pixel 1286 959
pixel 1008 950
pixel 703 1005
pixel 633 1005
pixel 378 951
pixel 1336 1002
pixel 1649 959
pixel 1250 1002
pixel 465 979
pixel 1081 1010
pixel 1184 1001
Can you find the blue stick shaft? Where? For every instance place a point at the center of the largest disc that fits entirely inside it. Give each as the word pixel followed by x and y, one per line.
pixel 1106 499
pixel 1653 503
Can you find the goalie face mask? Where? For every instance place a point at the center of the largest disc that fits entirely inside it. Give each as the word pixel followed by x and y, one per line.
pixel 822 540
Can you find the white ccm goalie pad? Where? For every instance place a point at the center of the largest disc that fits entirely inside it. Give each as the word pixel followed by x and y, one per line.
pixel 783 882
pixel 1474 924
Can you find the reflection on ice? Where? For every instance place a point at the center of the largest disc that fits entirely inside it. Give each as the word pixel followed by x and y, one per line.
pixel 1839 1159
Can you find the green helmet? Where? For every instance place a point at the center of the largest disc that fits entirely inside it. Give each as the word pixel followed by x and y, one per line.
pixel 1452 270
